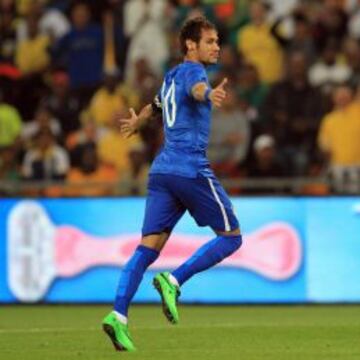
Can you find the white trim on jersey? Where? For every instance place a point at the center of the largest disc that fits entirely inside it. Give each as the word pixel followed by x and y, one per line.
pixel 222 208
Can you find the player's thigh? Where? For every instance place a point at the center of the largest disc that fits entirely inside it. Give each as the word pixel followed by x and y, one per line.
pixel 163 210
pixel 209 204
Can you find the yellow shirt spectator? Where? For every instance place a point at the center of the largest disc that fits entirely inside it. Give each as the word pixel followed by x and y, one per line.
pixel 130 95
pixel 339 135
pixel 32 55
pixel 134 181
pixel 261 49
pixel 105 104
pixel 113 149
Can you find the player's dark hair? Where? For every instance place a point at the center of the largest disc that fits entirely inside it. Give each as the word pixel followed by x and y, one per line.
pixel 191 30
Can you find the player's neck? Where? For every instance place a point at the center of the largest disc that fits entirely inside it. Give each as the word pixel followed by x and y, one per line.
pixel 192 57
pixel 194 60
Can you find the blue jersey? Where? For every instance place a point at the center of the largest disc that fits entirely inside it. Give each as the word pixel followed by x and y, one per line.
pixel 186 124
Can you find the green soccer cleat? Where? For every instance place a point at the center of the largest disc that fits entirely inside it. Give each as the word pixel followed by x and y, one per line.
pixel 169 295
pixel 118 333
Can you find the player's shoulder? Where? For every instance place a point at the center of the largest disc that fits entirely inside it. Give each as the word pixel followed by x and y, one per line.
pixel 186 67
pixel 190 66
pixel 185 73
pixel 171 73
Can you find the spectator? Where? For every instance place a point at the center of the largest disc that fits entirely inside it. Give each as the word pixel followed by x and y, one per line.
pixel 331 24
pixel 10 124
pixel 9 74
pixel 186 9
pixel 250 89
pixel 293 110
pixel 258 45
pixel 62 103
pixel 230 137
pixel 229 59
pixel 107 101
pixel 264 163
pixel 8 6
pixel 88 134
pixel 22 6
pixel 145 21
pixel 134 180
pixel 90 178
pixel 234 14
pixel 301 39
pixel 100 8
pixel 83 41
pixel 342 97
pixel 113 149
pixel 52 22
pixel 32 55
pixel 339 140
pixel 280 9
pixel 9 170
pixel 145 81
pixel 32 59
pixel 46 160
pixel 354 22
pixel 43 119
pixel 131 95
pixel 351 50
pixel 116 11
pixel 329 71
pixel 7 37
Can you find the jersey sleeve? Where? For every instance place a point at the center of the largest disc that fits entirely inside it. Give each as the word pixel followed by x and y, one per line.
pixel 194 75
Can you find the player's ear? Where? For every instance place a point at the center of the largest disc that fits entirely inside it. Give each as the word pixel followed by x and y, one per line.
pixel 190 45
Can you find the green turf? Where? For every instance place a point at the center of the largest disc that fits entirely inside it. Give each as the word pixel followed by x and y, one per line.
pixel 209 333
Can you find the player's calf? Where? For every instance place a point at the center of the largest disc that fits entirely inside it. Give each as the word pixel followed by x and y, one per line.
pixel 208 256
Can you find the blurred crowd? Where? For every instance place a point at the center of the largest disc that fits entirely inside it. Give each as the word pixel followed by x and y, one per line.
pixel 68 67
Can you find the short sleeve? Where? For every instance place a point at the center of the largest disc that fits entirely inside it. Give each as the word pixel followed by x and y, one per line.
pixel 193 75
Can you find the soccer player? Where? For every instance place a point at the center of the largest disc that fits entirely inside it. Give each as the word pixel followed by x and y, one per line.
pixel 180 179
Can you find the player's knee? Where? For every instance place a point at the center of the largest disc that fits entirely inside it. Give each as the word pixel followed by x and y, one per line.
pixel 232 243
pixel 237 240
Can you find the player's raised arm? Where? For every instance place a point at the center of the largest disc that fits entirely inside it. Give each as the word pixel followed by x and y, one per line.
pixel 202 92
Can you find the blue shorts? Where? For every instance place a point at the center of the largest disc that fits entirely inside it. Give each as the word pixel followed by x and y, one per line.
pixel 169 196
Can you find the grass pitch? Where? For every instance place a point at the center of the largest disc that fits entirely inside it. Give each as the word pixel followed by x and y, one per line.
pixel 204 333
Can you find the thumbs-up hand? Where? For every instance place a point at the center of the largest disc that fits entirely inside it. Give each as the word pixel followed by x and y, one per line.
pixel 218 94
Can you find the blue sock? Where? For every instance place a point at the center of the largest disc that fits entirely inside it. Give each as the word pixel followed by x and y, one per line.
pixel 207 256
pixel 131 277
